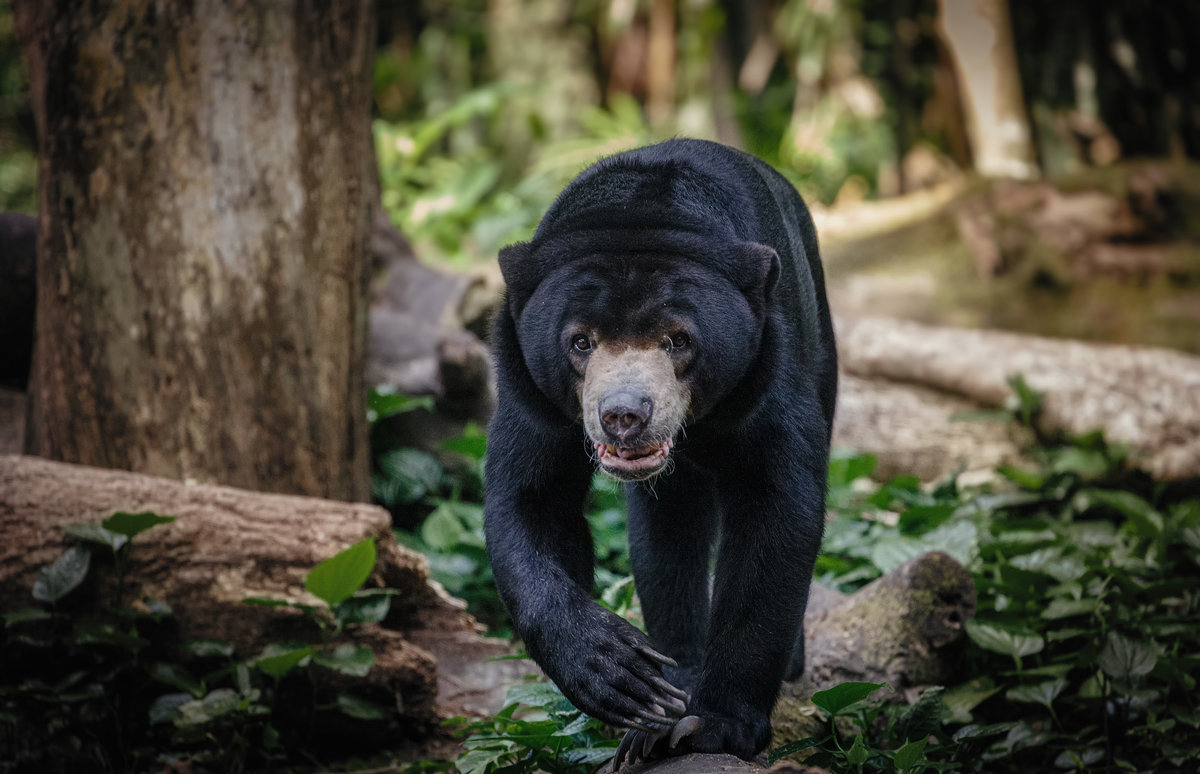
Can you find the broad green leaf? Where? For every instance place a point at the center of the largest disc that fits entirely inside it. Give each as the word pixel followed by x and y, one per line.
pixel 845 468
pixel 837 698
pixel 338 577
pixel 200 711
pixel 359 708
pixel 472 443
pixel 367 606
pixel 55 581
pixel 133 524
pixel 1065 608
pixel 442 529
pixel 1003 641
pixel 909 754
pixel 411 474
pixel 1026 479
pixel 791 748
pixel 381 405
pixel 94 533
pixel 919 519
pixel 1042 693
pixel 1145 519
pixel 961 699
pixel 890 553
pixel 857 754
pixel 1085 463
pixel 1125 659
pixel 278 663
pixel 536 694
pixel 976 731
pixel 353 660
pixel 924 717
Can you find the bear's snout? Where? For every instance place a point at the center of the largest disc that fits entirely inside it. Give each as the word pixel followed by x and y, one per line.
pixel 624 415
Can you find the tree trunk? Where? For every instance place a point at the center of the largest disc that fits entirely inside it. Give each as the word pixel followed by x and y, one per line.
pixel 978 34
pixel 204 215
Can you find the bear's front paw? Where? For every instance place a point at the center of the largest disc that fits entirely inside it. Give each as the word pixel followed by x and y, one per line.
pixel 610 670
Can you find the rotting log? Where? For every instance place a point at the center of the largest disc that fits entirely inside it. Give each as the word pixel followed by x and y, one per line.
pixel 228 544
pixel 1146 397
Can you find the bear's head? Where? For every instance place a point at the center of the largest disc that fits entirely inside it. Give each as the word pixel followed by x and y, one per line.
pixel 638 343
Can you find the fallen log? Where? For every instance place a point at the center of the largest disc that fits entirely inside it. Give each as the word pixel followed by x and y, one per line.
pixel 228 544
pixel 1145 397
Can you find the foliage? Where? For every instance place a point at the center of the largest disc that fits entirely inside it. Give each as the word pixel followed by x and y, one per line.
pixel 1081 653
pixel 1083 648
pixel 86 687
pixel 549 736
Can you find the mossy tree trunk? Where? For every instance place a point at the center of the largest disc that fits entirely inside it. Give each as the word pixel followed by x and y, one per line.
pixel 204 206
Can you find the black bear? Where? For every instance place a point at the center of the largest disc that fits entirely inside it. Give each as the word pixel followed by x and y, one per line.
pixel 668 324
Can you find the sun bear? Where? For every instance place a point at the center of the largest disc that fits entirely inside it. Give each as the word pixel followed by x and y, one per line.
pixel 668 325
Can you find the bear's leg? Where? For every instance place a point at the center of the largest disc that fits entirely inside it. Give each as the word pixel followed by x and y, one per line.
pixel 770 532
pixel 672 526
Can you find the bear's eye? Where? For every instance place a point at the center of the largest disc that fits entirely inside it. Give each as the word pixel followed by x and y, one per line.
pixel 679 340
pixel 581 343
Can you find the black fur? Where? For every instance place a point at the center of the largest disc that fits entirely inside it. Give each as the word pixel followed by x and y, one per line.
pixel 682 233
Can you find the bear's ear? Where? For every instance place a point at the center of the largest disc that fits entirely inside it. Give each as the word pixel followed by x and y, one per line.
pixel 757 268
pixel 520 277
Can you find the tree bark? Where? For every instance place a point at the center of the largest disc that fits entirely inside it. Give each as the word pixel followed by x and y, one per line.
pixel 204 223
pixel 978 34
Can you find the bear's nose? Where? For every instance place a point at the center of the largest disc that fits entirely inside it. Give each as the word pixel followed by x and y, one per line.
pixel 624 414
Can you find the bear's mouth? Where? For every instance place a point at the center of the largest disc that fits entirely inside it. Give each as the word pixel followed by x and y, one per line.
pixel 633 463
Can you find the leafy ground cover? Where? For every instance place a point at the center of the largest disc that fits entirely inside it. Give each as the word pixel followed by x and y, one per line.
pixel 1081 656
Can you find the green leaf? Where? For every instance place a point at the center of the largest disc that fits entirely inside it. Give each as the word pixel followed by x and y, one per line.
pixel 919 519
pixel 56 580
pixel 837 698
pixel 1125 659
pixel 133 524
pixel 216 704
pixel 1003 641
pixel 367 606
pixel 411 474
pixel 24 615
pixel 1042 693
pixel 791 748
pixel 924 717
pixel 961 699
pixel 277 662
pixel 857 754
pixel 94 533
pixel 472 443
pixel 1066 608
pixel 381 405
pixel 1145 519
pixel 844 468
pixel 338 577
pixel 443 530
pixel 909 755
pixel 360 708
pixel 890 553
pixel 353 660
